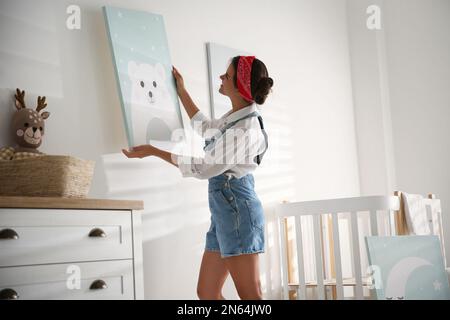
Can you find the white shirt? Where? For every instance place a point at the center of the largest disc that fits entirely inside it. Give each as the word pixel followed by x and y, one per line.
pixel 233 152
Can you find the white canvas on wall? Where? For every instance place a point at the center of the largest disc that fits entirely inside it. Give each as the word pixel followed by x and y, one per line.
pixel 219 58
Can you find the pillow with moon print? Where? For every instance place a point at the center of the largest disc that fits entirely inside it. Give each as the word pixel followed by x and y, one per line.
pixel 407 268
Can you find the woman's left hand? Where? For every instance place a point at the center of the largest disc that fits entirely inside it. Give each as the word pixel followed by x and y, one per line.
pixel 141 151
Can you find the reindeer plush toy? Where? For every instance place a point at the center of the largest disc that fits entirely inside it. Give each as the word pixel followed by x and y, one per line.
pixel 27 128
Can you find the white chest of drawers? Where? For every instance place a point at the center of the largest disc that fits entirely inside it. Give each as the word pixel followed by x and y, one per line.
pixel 52 248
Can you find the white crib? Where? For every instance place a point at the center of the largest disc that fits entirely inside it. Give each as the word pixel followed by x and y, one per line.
pixel 318 225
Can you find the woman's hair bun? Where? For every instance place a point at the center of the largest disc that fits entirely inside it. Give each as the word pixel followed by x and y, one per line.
pixel 262 89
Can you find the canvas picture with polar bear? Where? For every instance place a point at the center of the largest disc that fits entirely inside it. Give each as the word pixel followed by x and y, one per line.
pixel 143 68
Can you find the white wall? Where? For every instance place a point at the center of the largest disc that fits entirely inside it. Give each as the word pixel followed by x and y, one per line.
pixel 371 101
pixel 400 78
pixel 310 115
pixel 318 84
pixel 418 59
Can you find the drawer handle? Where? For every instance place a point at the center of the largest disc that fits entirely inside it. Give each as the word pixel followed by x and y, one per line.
pixel 8 294
pixel 8 234
pixel 97 233
pixel 98 284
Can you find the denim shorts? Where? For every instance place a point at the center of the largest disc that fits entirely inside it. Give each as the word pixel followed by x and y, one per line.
pixel 237 216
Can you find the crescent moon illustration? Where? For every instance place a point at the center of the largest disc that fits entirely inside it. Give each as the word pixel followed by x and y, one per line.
pixel 399 275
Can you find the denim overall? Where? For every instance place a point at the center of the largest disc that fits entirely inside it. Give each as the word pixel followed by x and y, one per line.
pixel 237 216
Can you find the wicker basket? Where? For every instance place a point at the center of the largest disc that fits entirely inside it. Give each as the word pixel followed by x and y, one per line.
pixel 46 176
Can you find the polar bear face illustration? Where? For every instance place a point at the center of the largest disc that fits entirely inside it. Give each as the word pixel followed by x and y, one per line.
pixel 153 112
pixel 148 84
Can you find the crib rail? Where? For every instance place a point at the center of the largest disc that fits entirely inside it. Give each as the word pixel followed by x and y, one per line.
pixel 317 210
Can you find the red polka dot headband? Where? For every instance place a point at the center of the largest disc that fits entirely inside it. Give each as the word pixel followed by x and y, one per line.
pixel 244 77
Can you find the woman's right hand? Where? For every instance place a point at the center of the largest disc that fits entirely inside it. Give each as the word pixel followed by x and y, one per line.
pixel 179 79
pixel 141 151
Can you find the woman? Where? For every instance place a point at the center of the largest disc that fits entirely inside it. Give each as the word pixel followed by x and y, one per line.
pixel 236 234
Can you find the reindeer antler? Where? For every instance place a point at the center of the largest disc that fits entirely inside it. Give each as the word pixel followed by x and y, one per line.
pixel 20 101
pixel 41 104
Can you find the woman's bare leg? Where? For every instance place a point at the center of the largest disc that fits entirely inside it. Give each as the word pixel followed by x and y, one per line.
pixel 213 273
pixel 244 270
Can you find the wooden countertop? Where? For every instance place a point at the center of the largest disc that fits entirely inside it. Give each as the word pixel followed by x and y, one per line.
pixel 70 203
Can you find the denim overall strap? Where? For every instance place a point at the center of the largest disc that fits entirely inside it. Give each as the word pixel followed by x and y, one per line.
pixel 209 143
pixel 266 140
